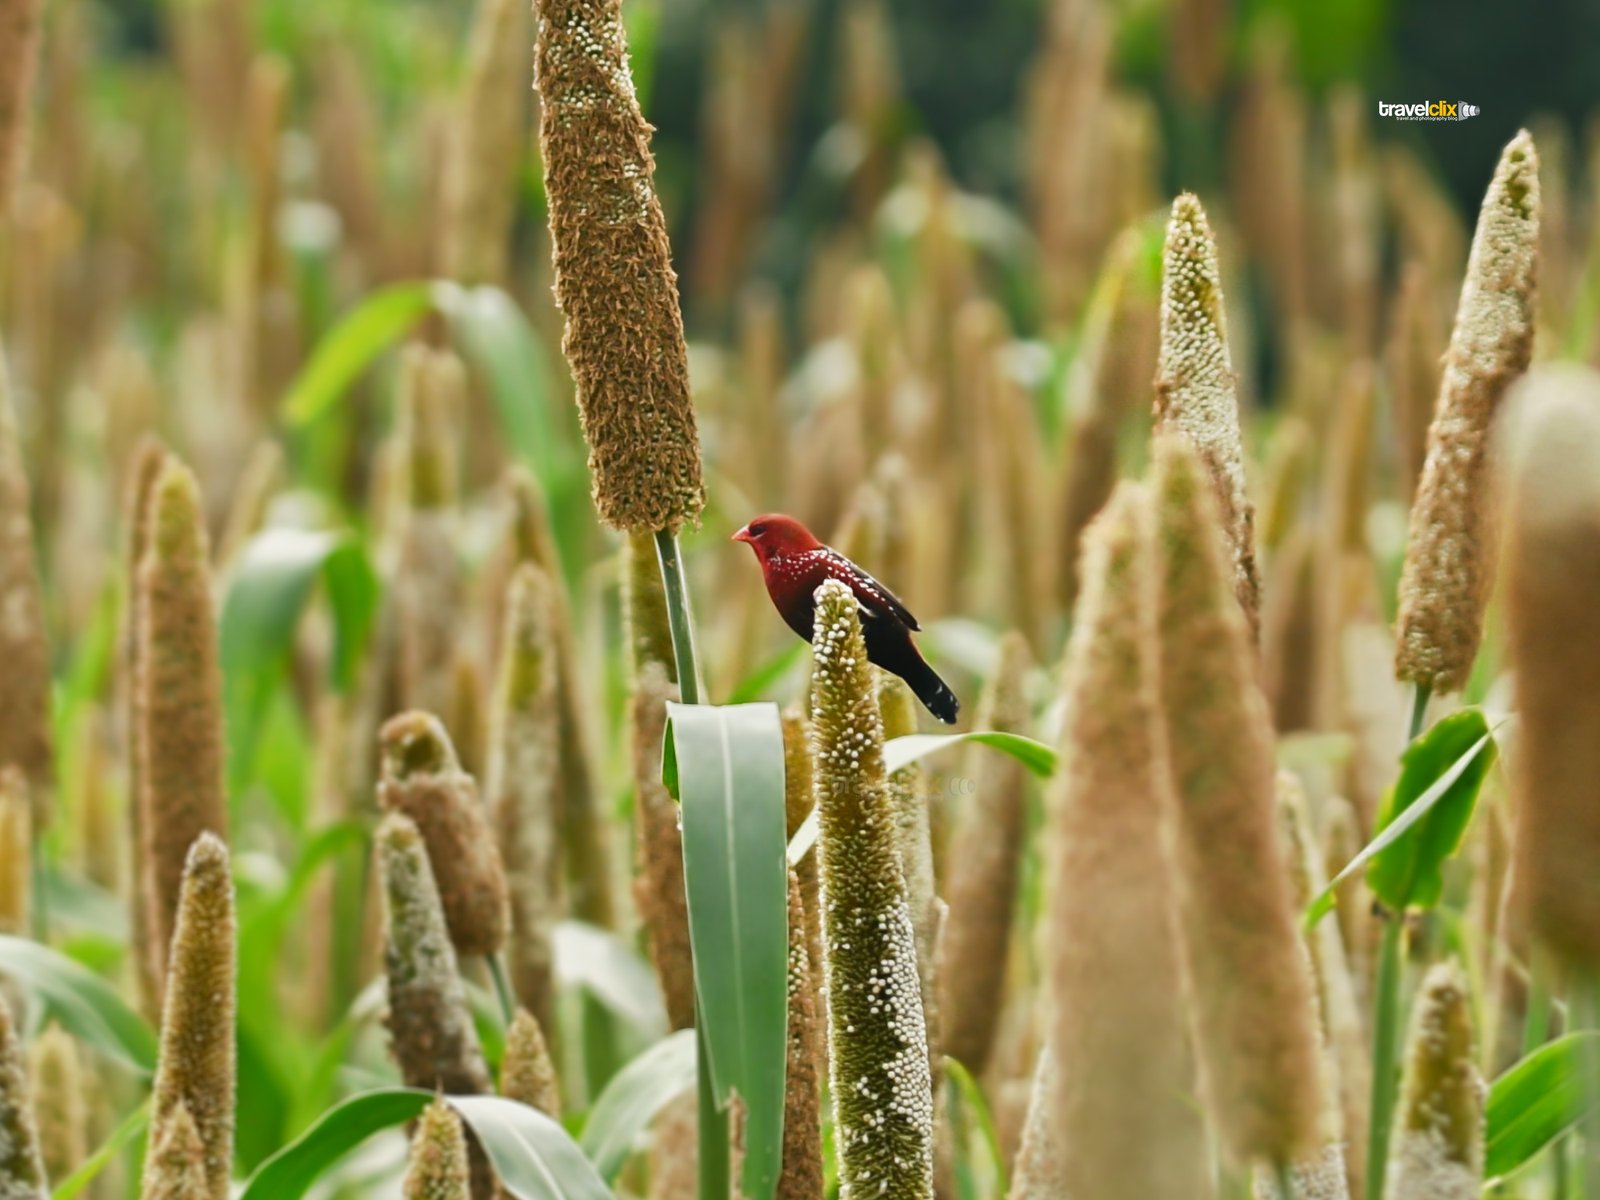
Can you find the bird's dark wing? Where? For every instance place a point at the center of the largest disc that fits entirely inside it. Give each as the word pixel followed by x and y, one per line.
pixel 867 588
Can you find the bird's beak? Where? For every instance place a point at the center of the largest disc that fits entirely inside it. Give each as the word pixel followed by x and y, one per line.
pixel 743 535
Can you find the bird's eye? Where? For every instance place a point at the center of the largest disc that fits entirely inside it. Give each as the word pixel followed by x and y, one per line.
pixel 758 528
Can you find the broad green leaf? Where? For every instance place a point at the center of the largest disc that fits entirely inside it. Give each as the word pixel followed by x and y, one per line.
pixel 131 1127
pixel 725 764
pixel 1537 1101
pixel 606 966
pixel 534 1157
pixel 1403 818
pixel 973 1101
pixel 632 1099
pixel 496 337
pixel 903 751
pixel 351 346
pixel 290 1173
pixel 754 685
pixel 270 588
pixel 82 906
pixel 1407 872
pixel 86 1005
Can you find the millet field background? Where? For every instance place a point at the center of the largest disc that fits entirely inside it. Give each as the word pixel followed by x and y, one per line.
pixel 411 787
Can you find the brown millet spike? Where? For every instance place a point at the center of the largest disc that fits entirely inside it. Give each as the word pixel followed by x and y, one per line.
pixel 148 458
pixel 19 48
pixel 802 1175
pixel 644 599
pixel 1438 1151
pixel 614 278
pixel 527 1074
pixel 179 707
pixel 60 1105
pixel 1444 586
pixel 422 779
pixel 21 1168
pixel 1195 384
pixel 491 137
pixel 437 1168
pixel 430 1025
pixel 882 1088
pixel 25 683
pixel 982 886
pixel 523 784
pixel 195 1070
pixel 16 853
pixel 1120 1030
pixel 658 887
pixel 1551 579
pixel 1253 1001
pixel 176 1166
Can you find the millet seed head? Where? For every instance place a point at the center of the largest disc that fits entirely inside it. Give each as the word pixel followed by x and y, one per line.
pixel 437 1168
pixel 21 1167
pixel 614 279
pixel 1552 575
pixel 195 1070
pixel 1252 991
pixel 1449 566
pixel 1196 391
pixel 423 779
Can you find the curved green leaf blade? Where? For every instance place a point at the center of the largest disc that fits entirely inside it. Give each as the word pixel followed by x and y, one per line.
pixel 634 1096
pixel 726 765
pixel 1459 781
pixel 350 347
pixel 131 1127
pixel 535 1158
pixel 86 1005
pixel 1035 755
pixel 612 971
pixel 1536 1101
pixel 270 588
pixel 1407 872
pixel 290 1173
pixel 972 1099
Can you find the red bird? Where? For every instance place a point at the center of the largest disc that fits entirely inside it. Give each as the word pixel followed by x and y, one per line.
pixel 795 565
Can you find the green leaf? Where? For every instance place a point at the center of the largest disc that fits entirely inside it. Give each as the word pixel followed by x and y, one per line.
pixel 534 1157
pixel 611 970
pixel 754 685
pixel 1537 1101
pixel 726 765
pixel 267 594
pixel 1407 872
pixel 493 333
pixel 1429 778
pixel 350 347
pixel 903 751
pixel 972 1099
pixel 86 1005
pixel 632 1099
pixel 131 1127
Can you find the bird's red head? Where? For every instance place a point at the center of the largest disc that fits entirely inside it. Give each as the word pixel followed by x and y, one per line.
pixel 774 535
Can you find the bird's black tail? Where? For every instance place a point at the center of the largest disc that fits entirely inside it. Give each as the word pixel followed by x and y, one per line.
pixel 934 692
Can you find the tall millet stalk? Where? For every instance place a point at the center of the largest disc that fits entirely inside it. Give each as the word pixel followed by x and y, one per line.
pixel 1119 1031
pixel 1261 1074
